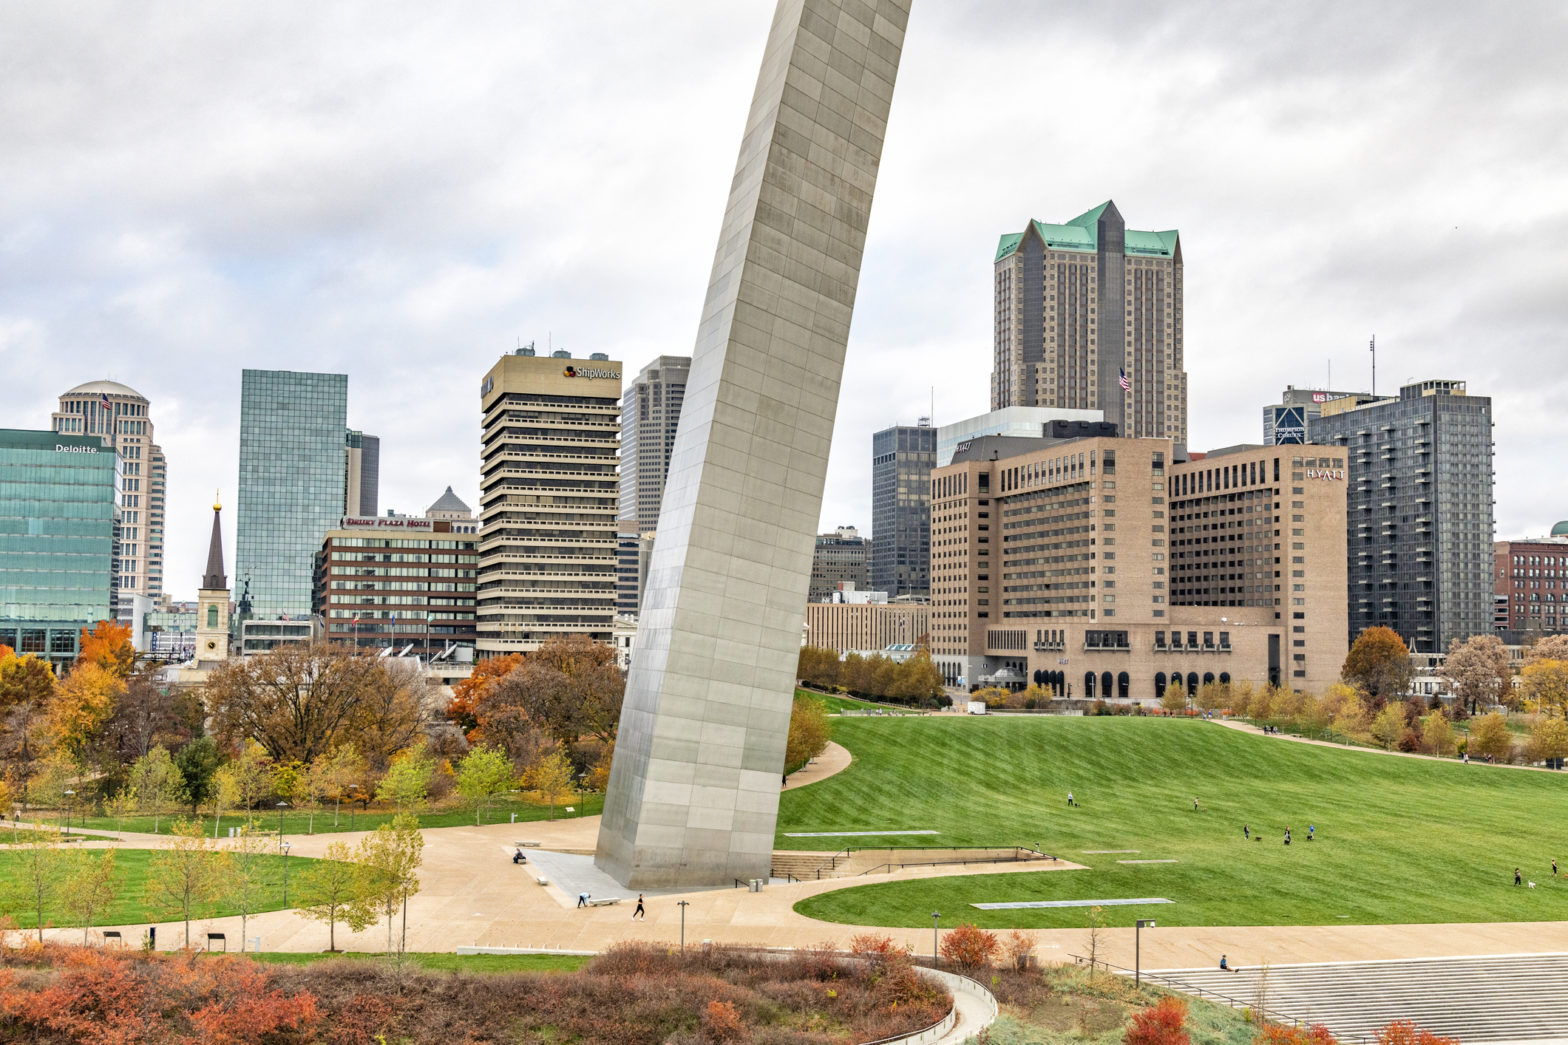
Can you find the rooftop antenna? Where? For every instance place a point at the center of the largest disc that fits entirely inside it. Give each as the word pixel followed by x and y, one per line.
pixel 1374 364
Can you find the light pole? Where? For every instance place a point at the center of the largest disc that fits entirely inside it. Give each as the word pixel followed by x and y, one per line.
pixel 582 794
pixel 281 806
pixel 285 874
pixel 70 800
pixel 1137 956
pixel 936 920
pixel 683 904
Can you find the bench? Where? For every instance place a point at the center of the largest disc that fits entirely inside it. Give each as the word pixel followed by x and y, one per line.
pixel 217 936
pixel 542 881
pixel 603 901
pixel 526 845
pixel 112 934
pixel 72 838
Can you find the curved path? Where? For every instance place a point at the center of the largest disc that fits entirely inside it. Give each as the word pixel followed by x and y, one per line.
pixel 1248 727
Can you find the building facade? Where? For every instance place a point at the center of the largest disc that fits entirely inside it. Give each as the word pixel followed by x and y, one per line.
pixel 1420 517
pixel 901 461
pixel 628 590
pixel 841 557
pixel 866 627
pixel 1530 585
pixel 59 497
pixel 119 416
pixel 1106 568
pixel 549 491
pixel 1024 422
pixel 291 485
pixel 450 508
pixel 361 473
pixel 397 581
pixel 1289 421
pixel 650 413
pixel 1088 316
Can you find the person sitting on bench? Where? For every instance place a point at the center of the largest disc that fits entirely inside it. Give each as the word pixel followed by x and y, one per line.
pixel 519 858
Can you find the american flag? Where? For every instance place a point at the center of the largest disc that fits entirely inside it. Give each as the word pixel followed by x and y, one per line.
pixel 1126 384
pixel 103 399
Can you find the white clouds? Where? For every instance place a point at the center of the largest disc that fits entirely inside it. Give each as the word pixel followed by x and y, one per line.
pixel 399 191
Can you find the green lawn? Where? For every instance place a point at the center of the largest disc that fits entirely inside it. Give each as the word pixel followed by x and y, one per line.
pixel 835 703
pixel 324 821
pixel 130 889
pixel 15 835
pixel 444 962
pixel 1398 839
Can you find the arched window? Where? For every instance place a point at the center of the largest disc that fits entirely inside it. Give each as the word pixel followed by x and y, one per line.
pixel 1159 684
pixel 1224 678
pixel 1208 678
pixel 1088 685
pixel 1177 679
pixel 212 616
pixel 1124 685
pixel 1192 683
pixel 1106 684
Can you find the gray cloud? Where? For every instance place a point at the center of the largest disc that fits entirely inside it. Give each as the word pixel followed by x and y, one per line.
pixel 400 191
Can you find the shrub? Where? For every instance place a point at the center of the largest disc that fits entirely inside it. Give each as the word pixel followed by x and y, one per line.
pixel 1160 1024
pixel 720 1022
pixel 1274 1034
pixel 1403 1032
pixel 970 947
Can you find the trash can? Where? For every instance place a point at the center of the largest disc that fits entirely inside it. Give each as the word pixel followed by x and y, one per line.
pixel 756 885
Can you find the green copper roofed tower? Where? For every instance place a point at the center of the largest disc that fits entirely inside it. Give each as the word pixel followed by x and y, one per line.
pixel 1089 317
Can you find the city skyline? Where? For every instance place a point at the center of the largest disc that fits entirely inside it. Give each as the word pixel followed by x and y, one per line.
pixel 213 214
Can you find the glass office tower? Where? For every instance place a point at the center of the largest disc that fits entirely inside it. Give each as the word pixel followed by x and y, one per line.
pixel 59 495
pixel 291 484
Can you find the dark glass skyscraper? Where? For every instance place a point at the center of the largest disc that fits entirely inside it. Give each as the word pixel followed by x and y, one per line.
pixel 59 495
pixel 291 484
pixel 1419 511
pixel 901 461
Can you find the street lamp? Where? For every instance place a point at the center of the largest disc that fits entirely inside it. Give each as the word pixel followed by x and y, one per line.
pixel 351 787
pixel 936 919
pixel 281 806
pixel 582 794
pixel 683 904
pixel 1137 957
pixel 285 874
pixel 70 800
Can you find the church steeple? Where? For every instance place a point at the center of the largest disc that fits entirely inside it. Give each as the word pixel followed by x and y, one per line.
pixel 214 578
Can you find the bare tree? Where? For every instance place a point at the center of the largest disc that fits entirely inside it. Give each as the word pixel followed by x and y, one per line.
pixel 1478 671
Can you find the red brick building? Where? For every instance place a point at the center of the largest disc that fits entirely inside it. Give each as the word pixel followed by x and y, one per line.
pixel 1530 584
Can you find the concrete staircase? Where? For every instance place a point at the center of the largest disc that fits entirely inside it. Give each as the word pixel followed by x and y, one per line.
pixel 1515 999
pixel 808 867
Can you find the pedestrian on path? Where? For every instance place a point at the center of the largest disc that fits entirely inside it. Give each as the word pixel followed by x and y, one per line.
pixel 1246 832
pixel 1554 868
pixel 1517 879
pixel 582 899
pixel 1287 836
pixel 639 912
pixel 1194 803
pixel 1310 831
pixel 1070 800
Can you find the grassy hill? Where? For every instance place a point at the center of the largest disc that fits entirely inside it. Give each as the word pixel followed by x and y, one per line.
pixel 1398 839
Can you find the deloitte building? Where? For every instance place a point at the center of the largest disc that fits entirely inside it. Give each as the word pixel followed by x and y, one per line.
pixel 59 502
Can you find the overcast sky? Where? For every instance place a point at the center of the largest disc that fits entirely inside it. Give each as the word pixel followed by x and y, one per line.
pixel 402 191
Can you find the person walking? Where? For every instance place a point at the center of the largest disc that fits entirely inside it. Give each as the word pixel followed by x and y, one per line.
pixel 1287 836
pixel 639 913
pixel 582 899
pixel 1246 832
pixel 1070 801
pixel 1554 868
pixel 1310 831
pixel 1194 803
pixel 1517 879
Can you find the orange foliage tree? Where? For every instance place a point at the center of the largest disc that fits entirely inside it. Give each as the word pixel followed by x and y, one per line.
pixel 970 946
pixel 1275 1034
pixel 108 645
pixel 83 702
pixel 1403 1032
pixel 1162 1023
pixel 469 693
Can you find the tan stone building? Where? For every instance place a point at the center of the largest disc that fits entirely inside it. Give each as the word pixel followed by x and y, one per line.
pixel 865 627
pixel 1101 568
pixel 548 490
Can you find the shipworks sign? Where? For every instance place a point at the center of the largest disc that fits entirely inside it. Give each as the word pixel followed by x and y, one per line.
pixel 592 372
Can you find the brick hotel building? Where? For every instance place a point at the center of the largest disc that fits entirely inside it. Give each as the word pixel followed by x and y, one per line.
pixel 1102 567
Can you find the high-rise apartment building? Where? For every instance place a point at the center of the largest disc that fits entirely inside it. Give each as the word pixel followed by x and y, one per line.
pixel 361 473
pixel 1530 586
pixel 1088 316
pixel 291 485
pixel 58 507
pixel 841 557
pixel 650 412
pixel 118 415
pixel 549 489
pixel 1420 517
pixel 628 589
pixel 901 461
pixel 1107 568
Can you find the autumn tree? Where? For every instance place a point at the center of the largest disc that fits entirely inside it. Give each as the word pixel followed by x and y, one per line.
pixel 332 776
pixel 333 889
pixel 918 680
pixel 26 688
pixel 37 870
pixel 242 783
pixel 970 947
pixel 569 687
pixel 83 703
pixel 407 782
pixel 1489 738
pixel 390 857
pixel 1437 734
pixel 87 885
pixel 1404 1032
pixel 1550 647
pixel 1389 726
pixel 299 702
pixel 244 880
pixel 198 763
pixel 469 693
pixel 482 774
pixel 184 874
pixel 1378 663
pixel 818 666
pixel 1163 1023
pixel 107 645
pixel 1549 740
pixel 1174 698
pixel 157 784
pixel 53 783
pixel 1212 696
pixel 551 776
pixel 808 733
pixel 1280 1034
pixel 1478 672
pixel 1544 684
pixel 148 712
